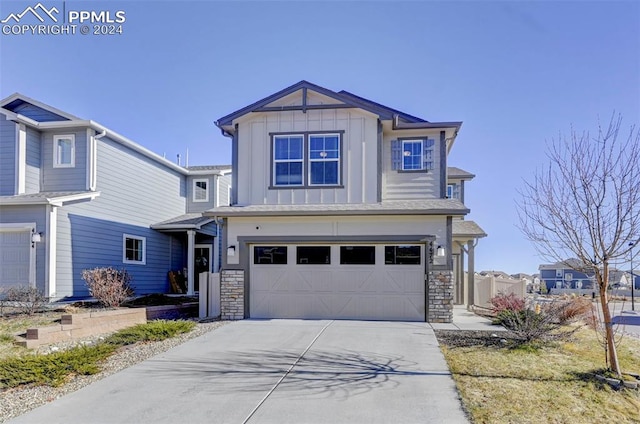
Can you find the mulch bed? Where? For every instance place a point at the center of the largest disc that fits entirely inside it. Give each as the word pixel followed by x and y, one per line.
pixel 457 338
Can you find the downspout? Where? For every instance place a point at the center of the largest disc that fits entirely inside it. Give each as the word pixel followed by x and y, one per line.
pixel 93 179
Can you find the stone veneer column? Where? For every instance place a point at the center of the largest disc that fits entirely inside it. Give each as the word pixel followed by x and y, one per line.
pixel 440 297
pixel 231 294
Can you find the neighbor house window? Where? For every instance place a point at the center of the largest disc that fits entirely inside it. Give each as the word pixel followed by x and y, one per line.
pixel 357 255
pixel 201 190
pixel 276 255
pixel 64 151
pixel 324 159
pixel 313 255
pixel 288 160
pixel 402 255
pixel 453 191
pixel 134 249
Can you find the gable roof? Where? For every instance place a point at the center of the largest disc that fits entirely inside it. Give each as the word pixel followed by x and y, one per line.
pixel 12 105
pixel 464 228
pixel 400 119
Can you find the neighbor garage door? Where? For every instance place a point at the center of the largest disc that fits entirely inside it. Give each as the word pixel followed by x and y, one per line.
pixel 360 281
pixel 15 257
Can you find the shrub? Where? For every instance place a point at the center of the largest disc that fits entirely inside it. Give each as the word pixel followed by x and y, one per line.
pixel 571 310
pixel 530 326
pixel 509 302
pixel 108 285
pixel 152 331
pixel 26 298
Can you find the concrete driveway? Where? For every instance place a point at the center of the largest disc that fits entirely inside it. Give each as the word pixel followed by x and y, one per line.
pixel 277 371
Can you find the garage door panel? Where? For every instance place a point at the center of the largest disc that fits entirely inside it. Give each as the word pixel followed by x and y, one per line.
pixel 335 291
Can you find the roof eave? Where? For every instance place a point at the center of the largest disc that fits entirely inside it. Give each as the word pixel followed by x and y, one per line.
pixel 239 213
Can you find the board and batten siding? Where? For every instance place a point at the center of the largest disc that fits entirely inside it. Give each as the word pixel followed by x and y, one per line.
pixel 410 185
pixel 29 214
pixel 8 134
pixel 34 161
pixel 64 179
pixel 358 156
pixel 136 192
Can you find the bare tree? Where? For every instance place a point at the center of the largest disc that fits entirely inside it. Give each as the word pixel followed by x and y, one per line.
pixel 584 204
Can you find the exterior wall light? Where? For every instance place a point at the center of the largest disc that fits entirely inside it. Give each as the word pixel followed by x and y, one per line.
pixel 231 251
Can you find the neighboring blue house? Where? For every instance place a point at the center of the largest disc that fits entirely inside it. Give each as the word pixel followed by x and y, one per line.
pixel 563 276
pixel 76 195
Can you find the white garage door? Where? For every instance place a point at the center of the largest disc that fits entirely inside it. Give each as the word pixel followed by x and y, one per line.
pixel 372 282
pixel 15 257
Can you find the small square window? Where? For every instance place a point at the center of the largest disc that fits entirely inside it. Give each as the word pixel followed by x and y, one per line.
pixel 134 249
pixel 272 255
pixel 201 190
pixel 313 255
pixel 64 151
pixel 357 255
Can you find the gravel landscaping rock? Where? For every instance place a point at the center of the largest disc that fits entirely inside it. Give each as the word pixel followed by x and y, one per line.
pixel 17 401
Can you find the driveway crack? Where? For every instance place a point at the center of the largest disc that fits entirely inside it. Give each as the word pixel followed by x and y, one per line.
pixel 275 386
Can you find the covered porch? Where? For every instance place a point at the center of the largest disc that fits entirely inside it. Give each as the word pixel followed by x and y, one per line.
pixel 465 235
pixel 200 240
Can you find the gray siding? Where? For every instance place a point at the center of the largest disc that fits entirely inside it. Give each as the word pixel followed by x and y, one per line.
pixel 25 214
pixel 37 113
pixel 135 193
pixel 62 179
pixel 201 206
pixel 7 156
pixel 34 150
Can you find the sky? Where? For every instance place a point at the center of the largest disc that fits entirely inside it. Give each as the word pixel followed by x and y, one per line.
pixel 517 73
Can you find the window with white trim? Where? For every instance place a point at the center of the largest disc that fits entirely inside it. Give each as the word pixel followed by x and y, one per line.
pixel 412 151
pixel 324 159
pixel 288 160
pixel 134 249
pixel 64 151
pixel 201 190
pixel 453 191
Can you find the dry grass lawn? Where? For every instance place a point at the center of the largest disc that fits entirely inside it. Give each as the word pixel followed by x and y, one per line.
pixel 553 384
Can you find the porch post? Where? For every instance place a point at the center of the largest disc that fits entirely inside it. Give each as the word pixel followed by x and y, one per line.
pixel 191 237
pixel 471 274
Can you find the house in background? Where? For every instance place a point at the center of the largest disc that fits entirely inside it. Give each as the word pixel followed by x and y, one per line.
pixel 341 208
pixel 563 276
pixel 76 195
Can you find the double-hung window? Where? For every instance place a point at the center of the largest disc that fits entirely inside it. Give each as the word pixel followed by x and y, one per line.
pixel 64 151
pixel 324 159
pixel 306 160
pixel 288 160
pixel 201 190
pixel 412 154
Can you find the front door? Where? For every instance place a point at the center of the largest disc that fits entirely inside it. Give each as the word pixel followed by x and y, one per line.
pixel 202 262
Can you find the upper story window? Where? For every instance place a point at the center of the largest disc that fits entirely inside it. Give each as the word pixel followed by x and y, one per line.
pixel 64 151
pixel 201 190
pixel 134 249
pixel 306 160
pixel 412 154
pixel 412 151
pixel 288 160
pixel 324 159
pixel 453 191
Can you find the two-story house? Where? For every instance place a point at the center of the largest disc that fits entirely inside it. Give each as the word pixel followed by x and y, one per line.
pixel 340 209
pixel 76 195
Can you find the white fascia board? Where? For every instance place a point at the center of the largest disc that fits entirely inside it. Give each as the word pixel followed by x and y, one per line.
pixel 59 201
pixel 205 172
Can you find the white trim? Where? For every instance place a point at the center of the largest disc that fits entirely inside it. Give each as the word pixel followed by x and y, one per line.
pixel 193 190
pixel 275 161
pixel 55 200
pixel 57 157
pixel 191 238
pixel 338 160
pixel 51 248
pixel 124 249
pixel 29 227
pixel 21 158
pixel 217 191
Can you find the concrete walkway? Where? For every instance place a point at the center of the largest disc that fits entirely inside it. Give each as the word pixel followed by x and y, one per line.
pixel 465 320
pixel 278 371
